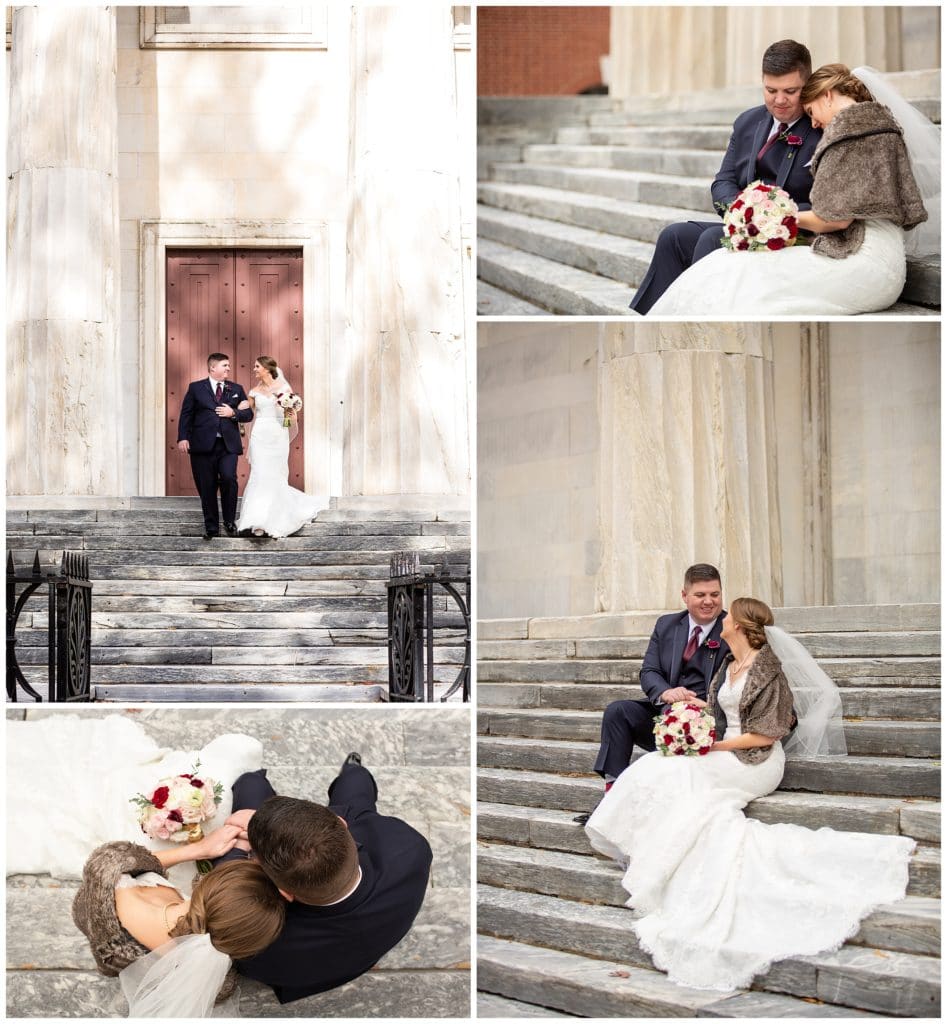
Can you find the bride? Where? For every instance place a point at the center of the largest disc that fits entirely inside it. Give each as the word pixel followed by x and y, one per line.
pixel 718 897
pixel 876 176
pixel 270 505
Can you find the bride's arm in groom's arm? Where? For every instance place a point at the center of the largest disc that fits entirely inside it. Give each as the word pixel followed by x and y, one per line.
pixel 244 411
pixel 215 844
pixel 810 221
pixel 744 741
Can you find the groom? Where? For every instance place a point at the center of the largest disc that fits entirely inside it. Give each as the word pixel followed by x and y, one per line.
pixel 773 143
pixel 208 431
pixel 684 651
pixel 355 879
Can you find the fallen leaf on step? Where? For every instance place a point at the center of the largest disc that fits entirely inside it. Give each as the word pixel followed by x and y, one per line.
pixel 619 974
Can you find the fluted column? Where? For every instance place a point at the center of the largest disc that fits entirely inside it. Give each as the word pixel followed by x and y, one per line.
pixel 688 462
pixel 407 356
pixel 64 397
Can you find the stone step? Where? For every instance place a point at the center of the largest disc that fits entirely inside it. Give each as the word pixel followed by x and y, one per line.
pixel 907 739
pixel 875 776
pixel 105 544
pixel 641 221
pixel 133 693
pixel 820 645
pixel 490 1006
pixel 581 876
pixel 922 284
pixel 555 286
pixel 380 508
pixel 208 589
pixel 596 252
pixel 812 619
pixel 687 163
pixel 635 186
pixel 604 932
pixel 918 818
pixel 132 525
pixel 680 136
pixel 496 302
pixel 914 704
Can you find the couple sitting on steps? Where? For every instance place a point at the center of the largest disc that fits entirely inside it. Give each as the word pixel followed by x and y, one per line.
pixel 717 896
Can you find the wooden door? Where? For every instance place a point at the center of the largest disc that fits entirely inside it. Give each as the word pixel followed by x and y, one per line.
pixel 245 303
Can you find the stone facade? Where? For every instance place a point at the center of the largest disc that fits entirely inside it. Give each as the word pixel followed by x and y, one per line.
pixel 348 144
pixel 613 455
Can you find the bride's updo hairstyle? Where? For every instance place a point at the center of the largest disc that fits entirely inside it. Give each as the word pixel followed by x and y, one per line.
pixel 838 78
pixel 753 617
pixel 238 906
pixel 270 365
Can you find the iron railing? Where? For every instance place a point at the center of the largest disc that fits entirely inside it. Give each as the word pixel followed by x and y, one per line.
pixel 69 626
pixel 411 627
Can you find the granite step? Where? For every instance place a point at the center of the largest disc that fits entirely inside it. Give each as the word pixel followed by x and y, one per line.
pixel 866 775
pixel 496 302
pixel 911 925
pixel 907 739
pixel 687 163
pixel 680 136
pixel 915 703
pixel 490 1006
pixel 636 186
pixel 555 286
pixel 641 221
pixel 547 791
pixel 596 252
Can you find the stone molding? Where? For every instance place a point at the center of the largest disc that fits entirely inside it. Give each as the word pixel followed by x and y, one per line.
pixel 156 236
pixel 311 33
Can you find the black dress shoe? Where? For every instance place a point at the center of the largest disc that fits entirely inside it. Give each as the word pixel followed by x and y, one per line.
pixel 581 819
pixel 231 529
pixel 353 758
pixel 210 536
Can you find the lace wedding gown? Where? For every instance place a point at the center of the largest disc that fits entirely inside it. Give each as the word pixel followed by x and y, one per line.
pixel 270 504
pixel 717 896
pixel 794 281
pixel 70 779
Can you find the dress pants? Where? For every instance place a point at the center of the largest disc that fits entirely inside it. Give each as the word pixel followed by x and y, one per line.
pixel 678 246
pixel 624 724
pixel 212 470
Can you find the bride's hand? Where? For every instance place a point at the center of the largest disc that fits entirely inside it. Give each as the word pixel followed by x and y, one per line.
pixel 241 820
pixel 700 703
pixel 215 844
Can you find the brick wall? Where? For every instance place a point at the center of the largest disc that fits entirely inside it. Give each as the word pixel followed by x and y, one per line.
pixel 540 51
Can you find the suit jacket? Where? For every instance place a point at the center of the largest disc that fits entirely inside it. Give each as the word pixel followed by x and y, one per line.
pixel 662 663
pixel 199 423
pixel 328 946
pixel 750 131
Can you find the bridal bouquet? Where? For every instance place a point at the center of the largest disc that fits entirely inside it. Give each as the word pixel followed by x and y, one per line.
pixel 177 807
pixel 290 402
pixel 761 217
pixel 685 729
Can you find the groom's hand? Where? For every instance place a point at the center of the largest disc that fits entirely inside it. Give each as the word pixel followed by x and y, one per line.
pixel 241 820
pixel 677 693
pixel 184 446
pixel 215 844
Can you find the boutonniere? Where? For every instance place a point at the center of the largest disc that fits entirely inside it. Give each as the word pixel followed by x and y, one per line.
pixel 712 645
pixel 793 141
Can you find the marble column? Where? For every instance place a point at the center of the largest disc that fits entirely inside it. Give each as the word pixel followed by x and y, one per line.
pixel 688 462
pixel 63 394
pixel 406 389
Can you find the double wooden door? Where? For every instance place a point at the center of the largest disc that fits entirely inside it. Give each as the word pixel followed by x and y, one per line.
pixel 242 302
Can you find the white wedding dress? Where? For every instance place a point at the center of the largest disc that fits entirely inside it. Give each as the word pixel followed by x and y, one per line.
pixel 792 282
pixel 717 896
pixel 270 504
pixel 70 780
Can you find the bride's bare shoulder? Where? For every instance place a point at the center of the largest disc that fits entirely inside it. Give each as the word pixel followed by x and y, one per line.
pixel 140 910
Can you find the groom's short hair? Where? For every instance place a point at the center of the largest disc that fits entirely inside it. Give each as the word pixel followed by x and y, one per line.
pixel 304 848
pixel 702 572
pixel 786 56
pixel 216 357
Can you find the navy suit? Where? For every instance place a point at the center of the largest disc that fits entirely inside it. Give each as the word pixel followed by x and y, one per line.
pixel 630 722
pixel 323 947
pixel 215 445
pixel 681 245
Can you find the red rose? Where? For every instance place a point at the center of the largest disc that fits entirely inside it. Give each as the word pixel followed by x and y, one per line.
pixel 197 783
pixel 712 645
pixel 669 719
pixel 668 740
pixel 752 230
pixel 680 750
pixel 790 222
pixel 776 244
pixel 733 229
pixel 749 213
pixel 686 727
pixel 690 739
pixel 160 797
pixel 703 750
pixel 793 140
pixel 185 775
pixel 762 188
pixel 743 245
pixel 175 816
pixel 737 204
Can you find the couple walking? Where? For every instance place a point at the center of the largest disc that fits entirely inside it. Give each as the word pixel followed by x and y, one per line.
pixel 302 897
pixel 862 165
pixel 209 431
pixel 717 896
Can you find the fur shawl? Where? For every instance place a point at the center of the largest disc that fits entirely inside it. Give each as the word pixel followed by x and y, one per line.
pixel 765 704
pixel 93 909
pixel 861 170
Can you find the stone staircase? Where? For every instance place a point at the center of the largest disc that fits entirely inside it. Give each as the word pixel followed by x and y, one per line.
pixel 175 617
pixel 554 929
pixel 422 765
pixel 573 194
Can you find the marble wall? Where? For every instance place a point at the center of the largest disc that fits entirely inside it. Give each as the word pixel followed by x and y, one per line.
pixel 773 450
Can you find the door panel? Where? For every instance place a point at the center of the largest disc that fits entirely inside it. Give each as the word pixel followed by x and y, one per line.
pixel 246 303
